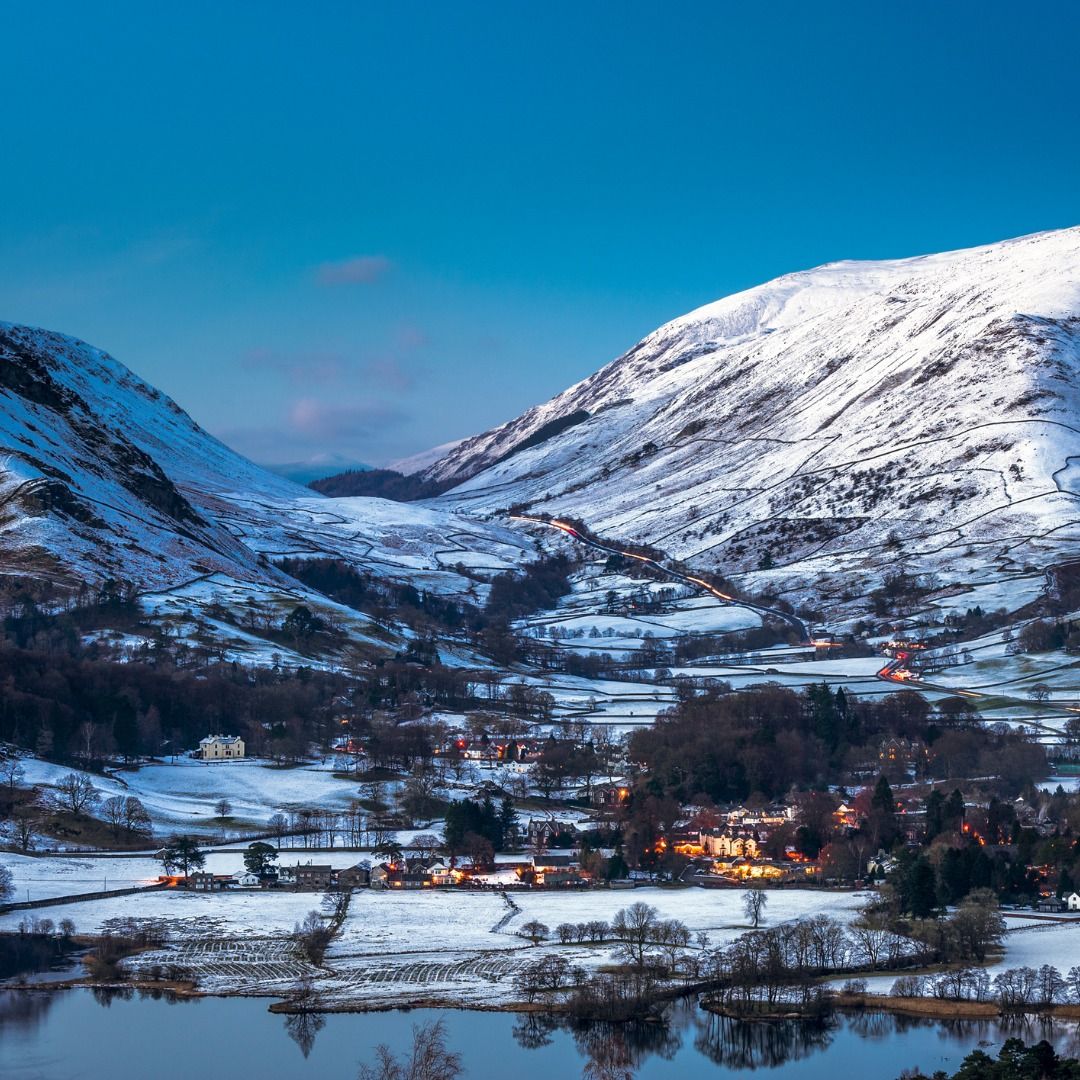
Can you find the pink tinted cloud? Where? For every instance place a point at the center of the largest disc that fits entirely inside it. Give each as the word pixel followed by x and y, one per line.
pixel 312 418
pixel 356 270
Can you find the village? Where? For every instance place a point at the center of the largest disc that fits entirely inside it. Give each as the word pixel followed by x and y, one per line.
pixel 431 851
pixel 813 838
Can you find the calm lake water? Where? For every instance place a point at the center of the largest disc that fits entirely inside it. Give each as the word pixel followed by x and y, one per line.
pixel 77 1035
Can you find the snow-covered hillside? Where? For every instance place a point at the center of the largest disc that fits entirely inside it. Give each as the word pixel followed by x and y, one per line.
pixel 835 423
pixel 101 475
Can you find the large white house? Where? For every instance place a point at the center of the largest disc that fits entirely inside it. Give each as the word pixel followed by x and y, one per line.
pixel 219 747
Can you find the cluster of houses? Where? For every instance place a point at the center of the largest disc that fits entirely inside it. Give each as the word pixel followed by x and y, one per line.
pixel 517 754
pixel 301 877
pixel 1056 906
pixel 559 869
pixel 730 846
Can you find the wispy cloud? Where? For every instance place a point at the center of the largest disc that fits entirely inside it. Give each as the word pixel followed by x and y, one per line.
pixel 299 367
pixel 312 418
pixel 356 270
pixel 392 369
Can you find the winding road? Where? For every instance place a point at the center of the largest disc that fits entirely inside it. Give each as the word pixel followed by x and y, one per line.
pixel 893 671
pixel 678 575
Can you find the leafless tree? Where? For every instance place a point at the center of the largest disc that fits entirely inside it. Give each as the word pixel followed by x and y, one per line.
pixel 534 930
pixel 26 823
pixel 426 845
pixel 278 824
pixel 635 928
pixel 136 816
pixel 430 1058
pixel 223 808
pixel 754 901
pixel 76 794
pixel 12 773
pixel 112 811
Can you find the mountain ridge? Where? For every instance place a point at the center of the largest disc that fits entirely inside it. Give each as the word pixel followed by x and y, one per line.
pixel 790 432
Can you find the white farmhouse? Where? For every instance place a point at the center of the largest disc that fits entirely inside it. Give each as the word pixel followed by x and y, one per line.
pixel 1073 901
pixel 220 747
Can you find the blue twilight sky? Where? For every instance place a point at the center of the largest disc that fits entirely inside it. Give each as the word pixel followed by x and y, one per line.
pixel 369 228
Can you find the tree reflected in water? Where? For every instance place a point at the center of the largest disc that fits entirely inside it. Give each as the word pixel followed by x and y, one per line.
pixel 106 995
pixel 737 1044
pixel 533 1030
pixel 20 1011
pixel 614 1051
pixel 302 1028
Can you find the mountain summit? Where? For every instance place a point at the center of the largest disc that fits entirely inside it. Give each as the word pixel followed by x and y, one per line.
pixel 918 414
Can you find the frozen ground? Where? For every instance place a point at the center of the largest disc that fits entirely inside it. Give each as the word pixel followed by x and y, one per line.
pixel 181 795
pixel 1031 944
pixel 459 947
pixel 187 914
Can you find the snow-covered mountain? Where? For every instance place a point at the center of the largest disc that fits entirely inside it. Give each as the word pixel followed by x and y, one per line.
pixel 103 476
pixel 814 433
pixel 834 423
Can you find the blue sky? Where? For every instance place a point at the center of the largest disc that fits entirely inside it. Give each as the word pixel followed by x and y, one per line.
pixel 370 228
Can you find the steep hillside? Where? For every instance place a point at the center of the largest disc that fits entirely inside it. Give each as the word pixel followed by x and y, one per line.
pixel 834 424
pixel 101 476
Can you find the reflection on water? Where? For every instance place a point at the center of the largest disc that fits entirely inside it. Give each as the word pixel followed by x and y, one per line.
pixel 736 1044
pixel 118 1034
pixel 28 959
pixel 21 1010
pixel 618 1051
pixel 303 1027
pixel 615 1051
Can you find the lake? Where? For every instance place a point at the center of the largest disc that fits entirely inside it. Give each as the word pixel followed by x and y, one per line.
pixel 82 1035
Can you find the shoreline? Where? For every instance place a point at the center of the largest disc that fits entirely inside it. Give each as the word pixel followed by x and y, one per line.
pixel 927 1008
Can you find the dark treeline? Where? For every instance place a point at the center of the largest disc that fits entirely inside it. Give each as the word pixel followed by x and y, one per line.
pixel 72 707
pixel 1014 1061
pixel 480 828
pixel 383 600
pixel 512 596
pixel 544 582
pixel 380 483
pixel 727 746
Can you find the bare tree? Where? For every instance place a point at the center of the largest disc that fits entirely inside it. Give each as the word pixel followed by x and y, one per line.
pixel 112 811
pixel 26 824
pixel 754 901
pixel 76 794
pixel 11 772
pixel 223 808
pixel 277 825
pixel 635 928
pixel 430 1058
pixel 426 845
pixel 136 816
pixel 534 930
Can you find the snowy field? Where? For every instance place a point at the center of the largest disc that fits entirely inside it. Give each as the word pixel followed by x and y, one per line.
pixel 186 914
pixel 46 876
pixel 1032 944
pixel 181 795
pixel 718 912
pixel 394 948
